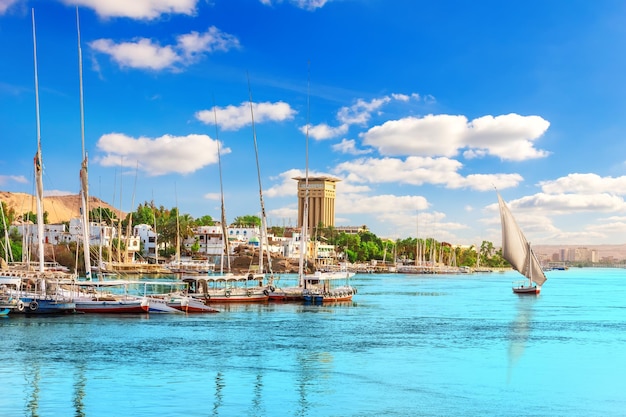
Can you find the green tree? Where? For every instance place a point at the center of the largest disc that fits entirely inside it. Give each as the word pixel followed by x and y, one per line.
pixel 205 220
pixel 32 217
pixel 247 220
pixel 104 214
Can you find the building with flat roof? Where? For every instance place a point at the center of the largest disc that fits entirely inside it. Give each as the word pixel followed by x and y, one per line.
pixel 321 200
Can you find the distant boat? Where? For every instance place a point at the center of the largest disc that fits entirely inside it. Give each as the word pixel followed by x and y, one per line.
pixel 517 251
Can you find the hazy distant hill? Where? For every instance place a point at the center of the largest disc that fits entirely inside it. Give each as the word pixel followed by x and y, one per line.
pixel 59 208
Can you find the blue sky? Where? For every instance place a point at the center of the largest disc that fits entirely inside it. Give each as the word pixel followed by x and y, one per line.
pixel 420 108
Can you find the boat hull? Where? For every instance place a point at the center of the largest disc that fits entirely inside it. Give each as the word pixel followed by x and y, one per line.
pixel 112 307
pixel 191 305
pixel 225 297
pixel 37 306
pixel 527 290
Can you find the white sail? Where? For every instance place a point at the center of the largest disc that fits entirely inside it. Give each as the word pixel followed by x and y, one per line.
pixel 516 249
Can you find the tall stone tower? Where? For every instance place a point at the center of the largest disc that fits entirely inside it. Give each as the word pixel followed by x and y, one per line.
pixel 321 201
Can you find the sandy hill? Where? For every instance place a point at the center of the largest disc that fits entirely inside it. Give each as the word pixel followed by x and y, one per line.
pixel 59 208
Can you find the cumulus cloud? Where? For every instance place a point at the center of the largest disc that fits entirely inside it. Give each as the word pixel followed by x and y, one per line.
pixel 508 137
pixel 358 113
pixel 159 156
pixel 309 5
pixel 585 184
pixel 358 203
pixel 235 117
pixel 348 146
pixel 560 204
pixel 143 53
pixel 137 9
pixel 324 131
pixel 416 170
pixel 6 179
pixel 5 4
pixel 213 196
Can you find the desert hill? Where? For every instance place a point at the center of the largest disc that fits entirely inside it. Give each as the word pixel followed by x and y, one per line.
pixel 60 208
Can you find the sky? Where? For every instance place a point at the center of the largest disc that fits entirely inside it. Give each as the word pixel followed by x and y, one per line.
pixel 421 110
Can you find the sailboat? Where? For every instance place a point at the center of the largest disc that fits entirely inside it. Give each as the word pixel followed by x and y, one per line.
pixel 40 292
pixel 228 287
pixel 320 286
pixel 518 252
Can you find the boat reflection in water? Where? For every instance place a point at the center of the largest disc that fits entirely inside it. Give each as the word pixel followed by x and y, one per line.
pixel 520 331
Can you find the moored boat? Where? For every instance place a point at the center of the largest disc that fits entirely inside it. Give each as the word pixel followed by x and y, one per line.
pixel 227 288
pixel 110 297
pixel 320 287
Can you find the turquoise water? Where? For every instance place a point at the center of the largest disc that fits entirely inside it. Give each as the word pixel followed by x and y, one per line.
pixel 408 345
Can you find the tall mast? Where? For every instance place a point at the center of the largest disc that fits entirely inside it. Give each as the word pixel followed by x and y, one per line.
pixel 226 248
pixel 38 159
pixel 84 179
pixel 305 208
pixel 258 170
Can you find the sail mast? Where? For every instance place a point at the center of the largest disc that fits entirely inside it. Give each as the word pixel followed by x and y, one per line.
pixel 38 159
pixel 84 179
pixel 258 170
pixel 225 248
pixel 305 208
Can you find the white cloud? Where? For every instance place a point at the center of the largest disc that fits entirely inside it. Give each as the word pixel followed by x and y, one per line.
pixel 213 196
pixel 5 4
pixel 509 137
pixel 585 184
pixel 361 111
pixel 324 131
pixel 143 53
pixel 5 179
pixel 563 204
pixel 309 5
pixel 358 203
pixel 194 43
pixel 416 170
pixel 235 117
pixel 137 9
pixel 159 156
pixel 348 146
pixel 358 113
pixel 57 193
pixel 286 186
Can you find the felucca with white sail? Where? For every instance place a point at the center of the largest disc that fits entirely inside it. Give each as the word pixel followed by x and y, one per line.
pixel 518 252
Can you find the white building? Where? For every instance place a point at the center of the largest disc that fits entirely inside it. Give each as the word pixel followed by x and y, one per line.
pixel 148 238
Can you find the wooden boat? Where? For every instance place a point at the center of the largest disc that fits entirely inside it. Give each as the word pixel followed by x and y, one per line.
pixel 8 294
pixel 39 292
pixel 518 252
pixel 189 304
pixel 174 294
pixel 109 297
pixel 227 288
pixel 320 287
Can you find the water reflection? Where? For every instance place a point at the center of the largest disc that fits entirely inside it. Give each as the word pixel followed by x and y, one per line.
pixel 219 395
pixel 257 400
pixel 520 330
pixel 79 391
pixel 33 377
pixel 314 367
